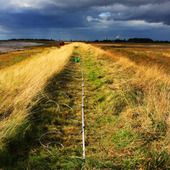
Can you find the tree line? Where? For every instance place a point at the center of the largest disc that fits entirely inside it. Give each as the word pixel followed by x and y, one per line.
pixel 134 40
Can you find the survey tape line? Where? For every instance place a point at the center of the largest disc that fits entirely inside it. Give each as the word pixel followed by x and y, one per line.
pixel 83 125
pixel 70 77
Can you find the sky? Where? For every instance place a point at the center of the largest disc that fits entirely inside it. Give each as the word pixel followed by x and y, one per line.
pixel 85 19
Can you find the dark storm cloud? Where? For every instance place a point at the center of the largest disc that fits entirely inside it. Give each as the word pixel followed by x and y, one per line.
pixel 147 12
pixel 16 15
pixel 32 19
pixel 73 12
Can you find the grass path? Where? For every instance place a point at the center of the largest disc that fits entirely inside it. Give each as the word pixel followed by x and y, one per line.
pixel 23 81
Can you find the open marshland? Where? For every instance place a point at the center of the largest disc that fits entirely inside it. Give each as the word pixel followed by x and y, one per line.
pixel 126 107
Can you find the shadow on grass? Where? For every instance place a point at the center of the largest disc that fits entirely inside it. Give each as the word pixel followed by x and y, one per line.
pixel 24 151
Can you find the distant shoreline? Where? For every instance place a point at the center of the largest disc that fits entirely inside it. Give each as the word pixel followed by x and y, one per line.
pixel 10 46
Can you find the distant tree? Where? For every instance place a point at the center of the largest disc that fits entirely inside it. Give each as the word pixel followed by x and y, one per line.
pixel 140 40
pixel 107 40
pixel 119 40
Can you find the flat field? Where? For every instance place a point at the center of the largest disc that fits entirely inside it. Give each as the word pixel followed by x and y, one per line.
pixel 150 54
pixel 127 120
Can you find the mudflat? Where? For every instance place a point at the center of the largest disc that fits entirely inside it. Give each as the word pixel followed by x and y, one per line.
pixel 9 46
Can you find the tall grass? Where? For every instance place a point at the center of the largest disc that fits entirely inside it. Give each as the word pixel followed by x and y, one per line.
pixel 23 81
pixel 126 109
pixel 129 116
pixel 148 57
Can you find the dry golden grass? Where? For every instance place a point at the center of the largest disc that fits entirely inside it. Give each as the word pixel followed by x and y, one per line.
pixel 100 53
pixel 151 81
pixel 143 56
pixel 130 117
pixel 127 106
pixel 23 81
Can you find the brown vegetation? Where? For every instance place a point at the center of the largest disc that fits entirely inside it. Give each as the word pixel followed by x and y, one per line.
pixel 126 109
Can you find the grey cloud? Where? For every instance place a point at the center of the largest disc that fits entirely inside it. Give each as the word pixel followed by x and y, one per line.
pixel 148 12
pixel 72 14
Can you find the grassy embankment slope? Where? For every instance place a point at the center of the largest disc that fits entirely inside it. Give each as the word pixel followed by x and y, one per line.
pixel 129 117
pixel 21 82
pixel 126 114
